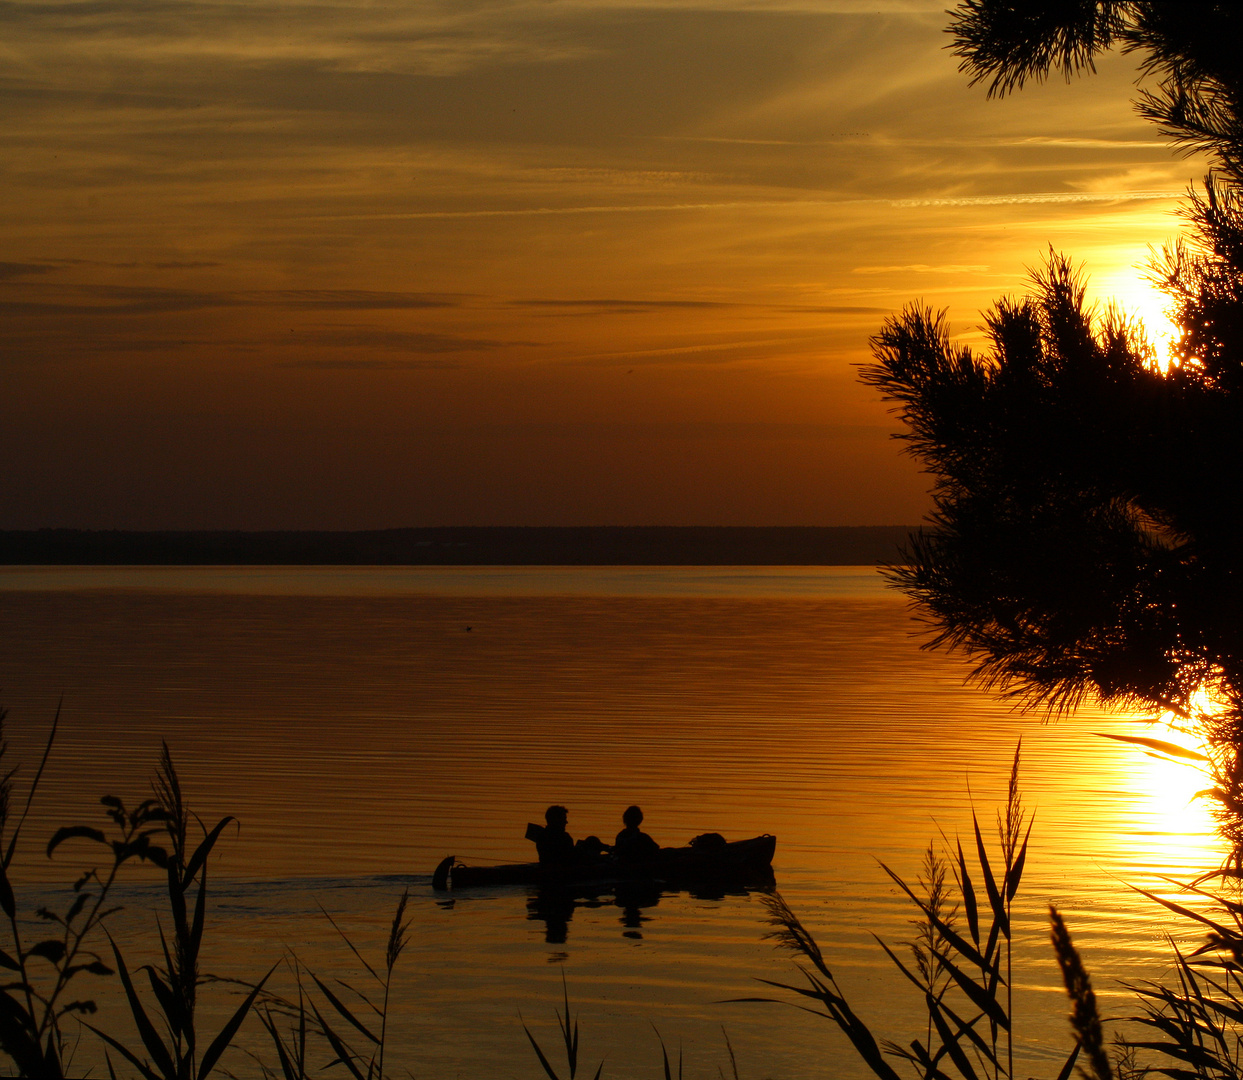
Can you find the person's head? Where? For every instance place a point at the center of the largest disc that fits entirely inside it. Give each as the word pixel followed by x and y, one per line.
pixel 632 817
pixel 556 817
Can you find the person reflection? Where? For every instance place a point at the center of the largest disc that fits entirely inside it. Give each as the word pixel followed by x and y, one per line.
pixel 554 906
pixel 632 897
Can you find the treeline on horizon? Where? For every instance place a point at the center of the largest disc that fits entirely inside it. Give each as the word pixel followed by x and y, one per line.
pixel 467 545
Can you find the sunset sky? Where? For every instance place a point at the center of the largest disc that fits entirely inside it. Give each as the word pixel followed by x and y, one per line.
pixel 373 263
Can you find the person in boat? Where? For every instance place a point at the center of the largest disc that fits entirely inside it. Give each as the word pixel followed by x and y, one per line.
pixel 557 849
pixel 553 843
pixel 633 847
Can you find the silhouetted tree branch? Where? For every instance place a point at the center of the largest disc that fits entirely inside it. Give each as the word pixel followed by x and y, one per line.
pixel 1088 532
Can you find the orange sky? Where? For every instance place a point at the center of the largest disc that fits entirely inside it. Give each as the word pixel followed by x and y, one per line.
pixel 371 263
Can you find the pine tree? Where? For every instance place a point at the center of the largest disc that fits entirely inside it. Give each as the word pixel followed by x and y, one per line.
pixel 1088 532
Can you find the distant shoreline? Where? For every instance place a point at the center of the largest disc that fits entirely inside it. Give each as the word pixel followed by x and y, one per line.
pixel 657 545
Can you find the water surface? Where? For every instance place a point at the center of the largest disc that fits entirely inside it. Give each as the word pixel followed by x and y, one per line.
pixel 361 723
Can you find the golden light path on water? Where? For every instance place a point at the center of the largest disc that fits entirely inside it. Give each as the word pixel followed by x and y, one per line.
pixel 360 732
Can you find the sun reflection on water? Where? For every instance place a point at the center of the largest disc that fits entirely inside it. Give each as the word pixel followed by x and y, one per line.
pixel 1166 824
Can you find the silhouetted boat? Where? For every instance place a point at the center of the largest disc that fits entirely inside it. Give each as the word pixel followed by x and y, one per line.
pixel 740 861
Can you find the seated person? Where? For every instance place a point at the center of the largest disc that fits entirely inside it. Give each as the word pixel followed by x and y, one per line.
pixel 554 844
pixel 632 845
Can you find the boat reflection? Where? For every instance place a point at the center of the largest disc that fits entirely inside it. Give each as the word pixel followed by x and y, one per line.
pixel 554 905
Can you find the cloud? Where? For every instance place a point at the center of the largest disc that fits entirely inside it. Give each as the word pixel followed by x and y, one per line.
pixel 922 268
pixel 365 337
pixel 619 307
pixel 9 270
pixel 702 351
pixel 1036 198
pixel 144 300
pixel 326 364
pixel 690 429
pixel 348 299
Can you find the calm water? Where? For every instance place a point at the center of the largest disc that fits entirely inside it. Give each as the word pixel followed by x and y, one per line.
pixel 362 723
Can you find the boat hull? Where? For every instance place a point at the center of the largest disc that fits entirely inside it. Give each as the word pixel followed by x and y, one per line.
pixel 740 862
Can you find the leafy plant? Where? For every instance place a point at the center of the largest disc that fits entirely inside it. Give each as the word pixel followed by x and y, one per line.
pixel 33 1004
pixel 175 1054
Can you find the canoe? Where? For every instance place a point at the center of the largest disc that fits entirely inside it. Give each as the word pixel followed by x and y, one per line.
pixel 740 861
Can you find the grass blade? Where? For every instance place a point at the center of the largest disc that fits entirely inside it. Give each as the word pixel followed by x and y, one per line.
pixel 539 1053
pixel 343 1009
pixel 344 1055
pixel 968 897
pixel 146 1030
pixel 34 786
pixel 1000 918
pixel 129 1056
pixel 220 1043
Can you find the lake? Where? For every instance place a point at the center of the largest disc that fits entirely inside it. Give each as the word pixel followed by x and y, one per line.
pixel 361 723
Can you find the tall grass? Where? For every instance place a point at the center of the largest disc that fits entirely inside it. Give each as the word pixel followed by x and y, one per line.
pixel 300 1029
pixel 964 975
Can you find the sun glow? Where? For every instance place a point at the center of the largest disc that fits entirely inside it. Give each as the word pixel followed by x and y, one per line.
pixel 1171 818
pixel 1176 787
pixel 1143 302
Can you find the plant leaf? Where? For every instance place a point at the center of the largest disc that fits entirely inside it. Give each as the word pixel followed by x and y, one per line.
pixel 204 849
pixel 221 1042
pixel 150 1037
pixel 129 1055
pixel 1160 745
pixel 69 832
pixel 343 1009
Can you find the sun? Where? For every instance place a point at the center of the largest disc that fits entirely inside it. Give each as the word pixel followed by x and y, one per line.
pixel 1139 299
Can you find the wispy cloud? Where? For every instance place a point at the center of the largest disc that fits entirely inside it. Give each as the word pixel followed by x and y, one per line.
pixel 921 268
pixel 349 364
pixel 624 307
pixel 9 270
pixel 366 337
pixel 139 300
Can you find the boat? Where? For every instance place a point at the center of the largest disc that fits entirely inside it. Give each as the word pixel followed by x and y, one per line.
pixel 708 858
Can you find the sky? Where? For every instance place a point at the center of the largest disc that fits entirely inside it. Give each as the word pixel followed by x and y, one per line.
pixel 380 263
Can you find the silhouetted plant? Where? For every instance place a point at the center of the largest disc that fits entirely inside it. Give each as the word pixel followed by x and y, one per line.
pixel 965 980
pixel 1085 1019
pixel 175 1054
pixel 33 1006
pixel 1189 47
pixel 568 1026
pixel 292 1025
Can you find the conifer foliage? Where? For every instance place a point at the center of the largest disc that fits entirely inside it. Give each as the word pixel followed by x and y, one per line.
pixel 1088 531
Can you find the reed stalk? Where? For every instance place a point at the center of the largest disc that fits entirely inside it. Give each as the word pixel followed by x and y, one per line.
pixel 1085 1020
pixel 964 975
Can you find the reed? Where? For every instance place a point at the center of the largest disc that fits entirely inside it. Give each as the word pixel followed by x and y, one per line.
pixel 33 1006
pixel 1085 1020
pixel 964 976
pixel 568 1026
